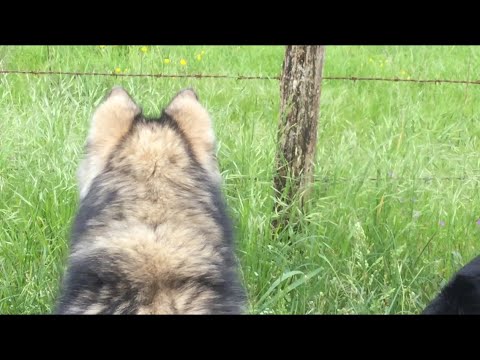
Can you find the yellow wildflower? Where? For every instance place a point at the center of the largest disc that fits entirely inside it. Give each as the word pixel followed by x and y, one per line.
pixel 183 62
pixel 118 70
pixel 144 49
pixel 166 61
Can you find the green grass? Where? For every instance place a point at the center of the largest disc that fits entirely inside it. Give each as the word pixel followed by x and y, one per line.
pixel 362 245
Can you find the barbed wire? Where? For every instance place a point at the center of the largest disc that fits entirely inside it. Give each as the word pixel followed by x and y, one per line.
pixel 324 179
pixel 234 77
pixel 331 179
pixel 159 75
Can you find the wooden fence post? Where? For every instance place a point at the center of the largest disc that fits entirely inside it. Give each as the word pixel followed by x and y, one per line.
pixel 297 129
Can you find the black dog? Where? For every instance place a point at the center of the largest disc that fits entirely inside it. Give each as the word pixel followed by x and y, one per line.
pixel 461 295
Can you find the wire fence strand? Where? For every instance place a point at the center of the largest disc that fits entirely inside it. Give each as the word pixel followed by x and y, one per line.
pixel 324 179
pixel 234 77
pixel 332 179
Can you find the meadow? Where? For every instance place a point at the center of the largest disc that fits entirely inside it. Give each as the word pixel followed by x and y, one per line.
pixel 395 208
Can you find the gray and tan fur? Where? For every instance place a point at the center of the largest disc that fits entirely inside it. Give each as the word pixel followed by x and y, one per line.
pixel 152 234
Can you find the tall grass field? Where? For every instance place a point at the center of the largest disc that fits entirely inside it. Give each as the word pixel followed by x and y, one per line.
pixel 394 210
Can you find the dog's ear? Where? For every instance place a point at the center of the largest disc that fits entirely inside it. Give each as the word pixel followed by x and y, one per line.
pixel 195 122
pixel 111 120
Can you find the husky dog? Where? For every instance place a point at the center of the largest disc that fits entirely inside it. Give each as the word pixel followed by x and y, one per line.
pixel 152 234
pixel 461 295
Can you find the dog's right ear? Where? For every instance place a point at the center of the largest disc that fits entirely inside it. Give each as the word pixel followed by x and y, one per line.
pixel 111 121
pixel 195 122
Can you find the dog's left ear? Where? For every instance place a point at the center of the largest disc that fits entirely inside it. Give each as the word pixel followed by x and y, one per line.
pixel 111 121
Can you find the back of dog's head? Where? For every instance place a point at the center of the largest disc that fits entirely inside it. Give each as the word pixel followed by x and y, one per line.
pixel 461 295
pixel 120 136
